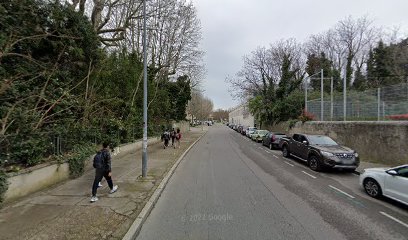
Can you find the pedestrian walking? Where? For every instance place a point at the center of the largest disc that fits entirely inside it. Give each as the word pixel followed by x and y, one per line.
pixel 165 138
pixel 103 169
pixel 173 137
pixel 178 138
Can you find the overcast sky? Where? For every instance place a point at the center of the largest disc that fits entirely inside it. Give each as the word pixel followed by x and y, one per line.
pixel 233 28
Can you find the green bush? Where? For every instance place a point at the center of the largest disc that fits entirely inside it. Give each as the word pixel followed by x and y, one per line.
pixel 291 123
pixel 77 158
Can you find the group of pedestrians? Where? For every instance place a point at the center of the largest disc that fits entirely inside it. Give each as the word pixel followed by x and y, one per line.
pixel 174 136
pixel 103 162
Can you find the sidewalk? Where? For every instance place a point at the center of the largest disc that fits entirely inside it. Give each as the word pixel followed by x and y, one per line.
pixel 364 165
pixel 65 212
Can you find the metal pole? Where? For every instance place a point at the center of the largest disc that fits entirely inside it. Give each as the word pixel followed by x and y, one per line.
pixel 344 99
pixel 378 104
pixel 331 98
pixel 321 96
pixel 305 94
pixel 383 110
pixel 144 154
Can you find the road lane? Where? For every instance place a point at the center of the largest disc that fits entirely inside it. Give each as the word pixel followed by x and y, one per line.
pixel 226 188
pixel 364 212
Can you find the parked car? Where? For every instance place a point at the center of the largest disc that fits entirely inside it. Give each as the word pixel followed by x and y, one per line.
pixel 272 140
pixel 389 182
pixel 249 131
pixel 320 152
pixel 243 132
pixel 258 135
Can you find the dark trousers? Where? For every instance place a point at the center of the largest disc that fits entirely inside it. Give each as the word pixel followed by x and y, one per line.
pixel 172 141
pixel 99 174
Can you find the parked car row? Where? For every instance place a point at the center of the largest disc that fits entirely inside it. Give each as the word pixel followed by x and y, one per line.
pixel 321 152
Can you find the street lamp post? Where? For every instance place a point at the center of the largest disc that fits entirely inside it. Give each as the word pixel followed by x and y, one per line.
pixel 144 154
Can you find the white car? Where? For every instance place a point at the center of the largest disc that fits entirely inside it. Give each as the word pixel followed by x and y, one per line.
pixel 390 182
pixel 250 131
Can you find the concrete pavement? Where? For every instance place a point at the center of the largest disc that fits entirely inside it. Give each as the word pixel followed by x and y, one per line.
pixel 64 211
pixel 229 187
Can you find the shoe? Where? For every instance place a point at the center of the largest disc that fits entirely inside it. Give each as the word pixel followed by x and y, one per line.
pixel 100 185
pixel 94 199
pixel 114 189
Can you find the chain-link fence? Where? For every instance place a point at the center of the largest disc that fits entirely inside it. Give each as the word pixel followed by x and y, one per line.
pixel 385 103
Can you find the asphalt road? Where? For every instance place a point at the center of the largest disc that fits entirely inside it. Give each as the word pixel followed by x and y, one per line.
pixel 229 187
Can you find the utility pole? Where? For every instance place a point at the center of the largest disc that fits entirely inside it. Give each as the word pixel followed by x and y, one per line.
pixel 144 154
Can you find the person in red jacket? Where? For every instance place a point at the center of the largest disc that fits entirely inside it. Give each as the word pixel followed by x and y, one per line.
pixel 178 137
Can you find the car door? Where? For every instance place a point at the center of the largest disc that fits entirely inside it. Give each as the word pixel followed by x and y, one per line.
pixel 295 145
pixel 267 139
pixel 396 186
pixel 303 148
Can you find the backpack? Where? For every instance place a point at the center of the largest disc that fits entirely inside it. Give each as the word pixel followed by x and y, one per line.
pixel 99 160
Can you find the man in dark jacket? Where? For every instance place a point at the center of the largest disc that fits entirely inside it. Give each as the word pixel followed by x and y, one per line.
pixel 103 168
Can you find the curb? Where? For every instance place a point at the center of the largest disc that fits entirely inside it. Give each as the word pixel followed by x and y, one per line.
pixel 134 230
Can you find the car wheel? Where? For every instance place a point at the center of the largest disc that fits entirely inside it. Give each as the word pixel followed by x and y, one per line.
pixel 372 188
pixel 314 163
pixel 285 151
pixel 270 146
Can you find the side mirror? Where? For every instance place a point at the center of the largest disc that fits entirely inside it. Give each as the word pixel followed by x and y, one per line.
pixel 392 172
pixel 305 142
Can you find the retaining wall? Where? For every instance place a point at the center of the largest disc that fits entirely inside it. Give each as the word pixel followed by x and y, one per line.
pixel 377 142
pixel 42 176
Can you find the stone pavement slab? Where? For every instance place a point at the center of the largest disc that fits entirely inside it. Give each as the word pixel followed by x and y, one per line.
pixel 65 212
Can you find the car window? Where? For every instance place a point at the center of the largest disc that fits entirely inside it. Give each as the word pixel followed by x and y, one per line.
pixel 302 138
pixel 403 172
pixel 321 140
pixel 296 137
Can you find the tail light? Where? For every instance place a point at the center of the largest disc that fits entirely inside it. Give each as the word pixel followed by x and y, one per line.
pixel 273 138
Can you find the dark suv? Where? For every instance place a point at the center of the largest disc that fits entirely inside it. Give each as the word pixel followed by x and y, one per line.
pixel 320 152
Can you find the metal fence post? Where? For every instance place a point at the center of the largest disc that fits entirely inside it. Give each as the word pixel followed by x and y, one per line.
pixel 344 99
pixel 321 96
pixel 378 103
pixel 331 98
pixel 383 113
pixel 305 94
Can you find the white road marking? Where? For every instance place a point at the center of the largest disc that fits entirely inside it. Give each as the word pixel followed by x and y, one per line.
pixel 267 151
pixel 348 195
pixel 310 175
pixel 290 164
pixel 395 219
pixel 276 156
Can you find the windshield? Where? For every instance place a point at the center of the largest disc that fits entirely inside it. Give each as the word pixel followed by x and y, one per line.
pixel 262 132
pixel 252 128
pixel 321 140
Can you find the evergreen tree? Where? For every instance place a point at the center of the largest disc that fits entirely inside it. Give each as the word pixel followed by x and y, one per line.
pixel 314 65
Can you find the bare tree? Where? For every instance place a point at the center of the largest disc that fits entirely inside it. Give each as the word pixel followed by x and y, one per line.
pixel 262 71
pixel 199 107
pixel 356 36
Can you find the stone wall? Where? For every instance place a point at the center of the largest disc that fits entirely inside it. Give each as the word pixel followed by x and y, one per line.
pixel 377 142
